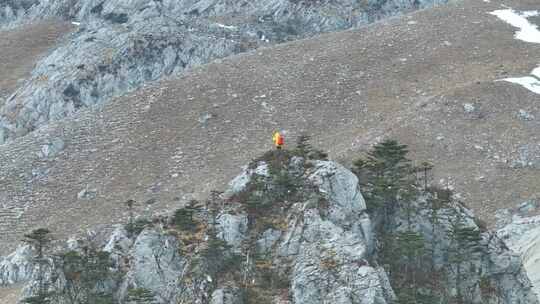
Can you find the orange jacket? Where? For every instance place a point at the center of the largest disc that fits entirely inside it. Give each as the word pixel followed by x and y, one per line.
pixel 278 139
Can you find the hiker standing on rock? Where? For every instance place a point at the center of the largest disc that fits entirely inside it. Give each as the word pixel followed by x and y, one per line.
pixel 278 140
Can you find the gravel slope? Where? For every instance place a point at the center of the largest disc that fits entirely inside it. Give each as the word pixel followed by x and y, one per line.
pixel 406 77
pixel 21 48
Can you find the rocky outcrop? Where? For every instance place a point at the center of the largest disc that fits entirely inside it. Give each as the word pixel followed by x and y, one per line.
pixel 475 264
pixel 294 231
pixel 522 235
pixel 156 264
pixel 123 44
pixel 17 267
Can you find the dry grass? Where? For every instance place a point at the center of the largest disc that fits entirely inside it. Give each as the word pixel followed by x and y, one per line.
pixel 347 89
pixel 21 48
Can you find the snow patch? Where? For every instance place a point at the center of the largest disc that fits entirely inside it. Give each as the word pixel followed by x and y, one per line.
pixel 528 32
pixel 530 83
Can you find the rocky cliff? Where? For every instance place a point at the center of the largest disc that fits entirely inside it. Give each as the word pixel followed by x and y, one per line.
pixel 287 230
pixel 122 44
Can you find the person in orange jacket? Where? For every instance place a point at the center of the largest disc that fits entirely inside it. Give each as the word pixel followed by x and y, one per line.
pixel 278 140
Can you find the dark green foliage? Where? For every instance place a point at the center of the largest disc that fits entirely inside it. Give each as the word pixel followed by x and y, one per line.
pixel 183 218
pixel 103 298
pixel 84 272
pixel 306 150
pixel 465 243
pixel 282 186
pixel 38 299
pixel 136 227
pixel 411 244
pixel 424 169
pixel 40 239
pixel 141 296
pixel 278 189
pixel 388 183
pixel 216 253
pixel 385 176
pixel 130 226
pixel 277 159
pixel 384 172
pixel 440 197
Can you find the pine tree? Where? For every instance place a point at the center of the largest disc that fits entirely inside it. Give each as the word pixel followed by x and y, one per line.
pixel 130 227
pixel 84 272
pixel 215 247
pixel 384 173
pixel 303 147
pixel 424 168
pixel 466 242
pixel 39 239
pixel 183 217
pixel 306 150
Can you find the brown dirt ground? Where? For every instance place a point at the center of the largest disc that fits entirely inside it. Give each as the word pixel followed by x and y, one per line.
pixel 21 48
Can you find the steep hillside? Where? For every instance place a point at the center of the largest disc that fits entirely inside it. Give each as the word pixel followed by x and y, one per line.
pixel 288 230
pixel 410 77
pixel 122 44
pixel 21 48
pixel 414 78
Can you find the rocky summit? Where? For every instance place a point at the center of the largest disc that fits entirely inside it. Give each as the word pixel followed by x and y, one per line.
pixel 123 121
pixel 288 230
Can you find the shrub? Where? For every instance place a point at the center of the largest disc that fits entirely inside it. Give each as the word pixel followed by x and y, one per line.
pixel 137 226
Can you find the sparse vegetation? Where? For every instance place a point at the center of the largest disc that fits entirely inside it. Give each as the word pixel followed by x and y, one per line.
pixel 389 186
pixel 137 226
pixel 385 174
pixel 140 296
pixel 84 273
pixel 183 217
pixel 40 240
pixel 306 150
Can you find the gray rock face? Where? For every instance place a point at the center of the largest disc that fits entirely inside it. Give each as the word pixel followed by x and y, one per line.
pixel 317 247
pixel 331 265
pixel 52 148
pixel 493 265
pixel 522 234
pixel 156 264
pixel 232 229
pixel 16 267
pixel 341 188
pixel 227 296
pixel 123 44
pixel 330 252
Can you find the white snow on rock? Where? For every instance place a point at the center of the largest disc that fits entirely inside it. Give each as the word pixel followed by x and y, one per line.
pixel 530 83
pixel 528 32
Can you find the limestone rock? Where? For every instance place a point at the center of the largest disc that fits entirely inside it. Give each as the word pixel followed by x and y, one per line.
pixel 226 296
pixel 16 267
pixel 122 44
pixel 156 263
pixel 232 229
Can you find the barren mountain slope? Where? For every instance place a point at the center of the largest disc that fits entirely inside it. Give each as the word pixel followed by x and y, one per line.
pixel 407 77
pixel 21 48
